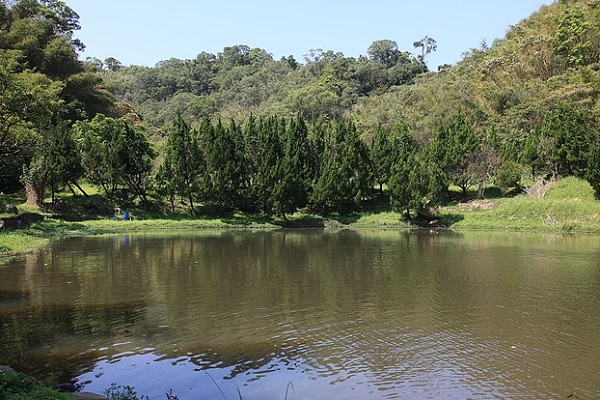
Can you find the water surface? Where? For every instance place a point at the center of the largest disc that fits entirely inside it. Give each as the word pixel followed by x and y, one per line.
pixel 339 315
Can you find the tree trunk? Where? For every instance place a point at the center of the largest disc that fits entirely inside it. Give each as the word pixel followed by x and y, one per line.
pixel 192 205
pixel 71 189
pixel 33 197
pixel 80 189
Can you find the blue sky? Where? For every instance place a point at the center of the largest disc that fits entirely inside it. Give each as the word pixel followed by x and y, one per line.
pixel 145 32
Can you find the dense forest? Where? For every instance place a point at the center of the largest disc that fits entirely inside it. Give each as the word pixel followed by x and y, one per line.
pixel 239 130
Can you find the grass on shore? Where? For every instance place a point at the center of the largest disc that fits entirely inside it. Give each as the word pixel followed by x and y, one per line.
pixel 16 242
pixel 568 207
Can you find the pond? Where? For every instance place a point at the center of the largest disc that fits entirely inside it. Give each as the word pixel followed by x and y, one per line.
pixel 321 315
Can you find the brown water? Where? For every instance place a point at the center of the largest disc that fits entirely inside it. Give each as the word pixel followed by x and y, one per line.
pixel 341 315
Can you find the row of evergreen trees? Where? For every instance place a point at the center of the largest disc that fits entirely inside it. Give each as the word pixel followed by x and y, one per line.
pixel 267 164
pixel 270 165
pixel 277 166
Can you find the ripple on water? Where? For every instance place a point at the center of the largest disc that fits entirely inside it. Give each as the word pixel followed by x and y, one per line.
pixel 353 318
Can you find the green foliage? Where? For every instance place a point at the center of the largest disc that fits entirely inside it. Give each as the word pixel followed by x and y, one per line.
pixel 573 37
pixel 508 175
pixel 180 172
pixel 264 141
pixel 344 179
pixel 561 142
pixel 593 169
pixel 226 182
pixel 388 148
pixel 453 147
pixel 417 181
pixel 385 52
pixel 115 154
pixel 23 387
pixel 380 154
pixel 241 81
pixel 42 81
pixel 292 189
pixel 59 156
pixel 119 392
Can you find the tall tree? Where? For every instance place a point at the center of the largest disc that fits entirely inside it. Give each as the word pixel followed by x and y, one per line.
pixel 61 158
pixel 182 168
pixel 292 189
pixel 114 155
pixel 385 52
pixel 387 148
pixel 560 143
pixel 41 77
pixel 344 180
pixel 417 182
pixel 427 45
pixel 573 38
pixel 226 182
pixel 403 159
pixel 265 153
pixel 452 148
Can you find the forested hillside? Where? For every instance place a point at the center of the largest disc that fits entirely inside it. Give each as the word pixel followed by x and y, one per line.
pixel 240 81
pixel 241 130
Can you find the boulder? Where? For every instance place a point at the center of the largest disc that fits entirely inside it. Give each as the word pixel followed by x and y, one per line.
pixel 30 218
pixel 11 222
pixel 11 209
pixel 7 369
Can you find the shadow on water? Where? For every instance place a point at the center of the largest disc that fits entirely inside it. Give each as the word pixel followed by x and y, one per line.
pixel 304 221
pixel 452 218
pixel 29 333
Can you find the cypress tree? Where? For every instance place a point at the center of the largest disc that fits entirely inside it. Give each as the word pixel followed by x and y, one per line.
pixel 292 188
pixel 267 155
pixel 452 147
pixel 345 178
pixel 417 183
pixel 568 131
pixel 593 169
pixel 384 151
pixel 380 157
pixel 401 192
pixel 183 164
pixel 227 183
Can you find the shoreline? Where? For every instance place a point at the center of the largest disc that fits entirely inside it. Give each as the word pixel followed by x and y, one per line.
pixel 31 238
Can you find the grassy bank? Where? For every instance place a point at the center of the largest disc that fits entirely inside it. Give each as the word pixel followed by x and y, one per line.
pixel 568 207
pixel 16 242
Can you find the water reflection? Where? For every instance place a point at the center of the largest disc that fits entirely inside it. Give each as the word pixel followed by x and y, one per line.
pixel 342 315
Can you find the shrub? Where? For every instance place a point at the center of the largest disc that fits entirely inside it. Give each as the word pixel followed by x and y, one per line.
pixel 23 387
